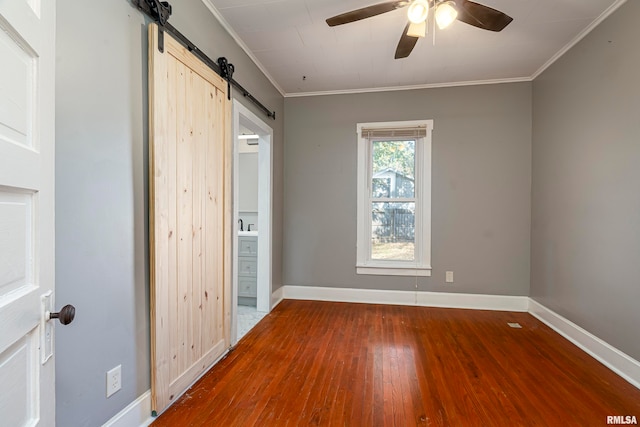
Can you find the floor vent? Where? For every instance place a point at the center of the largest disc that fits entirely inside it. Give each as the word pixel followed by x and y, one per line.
pixel 514 325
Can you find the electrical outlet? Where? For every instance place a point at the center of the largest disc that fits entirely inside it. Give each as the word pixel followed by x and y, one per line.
pixel 114 380
pixel 448 277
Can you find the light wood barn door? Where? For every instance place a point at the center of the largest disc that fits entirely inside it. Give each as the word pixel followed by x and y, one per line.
pixel 189 205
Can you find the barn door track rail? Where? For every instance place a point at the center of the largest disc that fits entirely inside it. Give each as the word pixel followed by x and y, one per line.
pixel 160 11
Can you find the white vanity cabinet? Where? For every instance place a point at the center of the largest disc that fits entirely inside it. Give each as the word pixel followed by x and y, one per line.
pixel 247 266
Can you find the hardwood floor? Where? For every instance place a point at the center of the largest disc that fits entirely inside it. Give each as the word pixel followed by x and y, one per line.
pixel 339 364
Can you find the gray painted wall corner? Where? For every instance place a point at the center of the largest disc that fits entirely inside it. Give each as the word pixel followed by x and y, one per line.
pixel 585 202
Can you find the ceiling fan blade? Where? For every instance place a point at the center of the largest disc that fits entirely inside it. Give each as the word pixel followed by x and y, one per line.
pixel 366 12
pixel 406 44
pixel 482 16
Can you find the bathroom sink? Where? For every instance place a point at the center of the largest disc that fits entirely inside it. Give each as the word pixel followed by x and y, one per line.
pixel 248 233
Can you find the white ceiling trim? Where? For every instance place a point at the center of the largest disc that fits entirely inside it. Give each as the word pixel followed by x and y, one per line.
pixel 242 45
pixel 412 87
pixel 579 37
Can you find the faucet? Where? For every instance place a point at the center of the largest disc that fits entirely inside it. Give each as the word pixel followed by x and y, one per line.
pixel 249 227
pixel 241 225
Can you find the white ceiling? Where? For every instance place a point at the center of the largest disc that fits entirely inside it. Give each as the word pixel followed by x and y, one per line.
pixel 289 39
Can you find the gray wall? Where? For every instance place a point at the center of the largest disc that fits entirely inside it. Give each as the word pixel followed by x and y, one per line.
pixel 101 200
pixel 481 184
pixel 586 199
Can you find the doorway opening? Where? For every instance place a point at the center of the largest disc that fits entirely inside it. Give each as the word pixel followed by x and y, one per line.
pixel 252 213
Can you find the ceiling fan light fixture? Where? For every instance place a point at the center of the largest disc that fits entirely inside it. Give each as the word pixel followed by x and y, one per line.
pixel 418 11
pixel 446 13
pixel 417 30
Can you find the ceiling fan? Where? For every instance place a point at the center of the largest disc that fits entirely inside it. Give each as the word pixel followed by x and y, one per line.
pixel 446 11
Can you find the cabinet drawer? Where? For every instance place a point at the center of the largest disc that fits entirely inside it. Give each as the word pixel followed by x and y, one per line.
pixel 247 246
pixel 247 266
pixel 247 287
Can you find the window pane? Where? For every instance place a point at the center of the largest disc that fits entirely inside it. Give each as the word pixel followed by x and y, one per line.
pixel 393 169
pixel 381 187
pixel 393 231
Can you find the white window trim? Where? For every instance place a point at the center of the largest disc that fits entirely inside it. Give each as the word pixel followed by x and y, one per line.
pixel 421 266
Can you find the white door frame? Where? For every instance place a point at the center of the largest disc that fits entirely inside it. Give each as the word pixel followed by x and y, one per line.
pixel 242 115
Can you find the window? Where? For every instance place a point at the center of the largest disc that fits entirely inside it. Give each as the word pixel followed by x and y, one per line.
pixel 394 198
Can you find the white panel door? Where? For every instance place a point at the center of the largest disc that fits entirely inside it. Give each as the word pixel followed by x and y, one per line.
pixel 27 43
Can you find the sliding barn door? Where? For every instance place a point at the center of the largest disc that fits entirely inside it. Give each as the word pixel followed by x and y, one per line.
pixel 189 205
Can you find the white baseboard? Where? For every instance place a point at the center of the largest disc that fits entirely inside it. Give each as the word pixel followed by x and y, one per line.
pixel 425 299
pixel 619 362
pixel 474 301
pixel 136 414
pixel 277 296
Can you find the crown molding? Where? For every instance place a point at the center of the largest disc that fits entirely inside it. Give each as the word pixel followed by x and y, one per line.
pixel 579 37
pixel 412 87
pixel 242 45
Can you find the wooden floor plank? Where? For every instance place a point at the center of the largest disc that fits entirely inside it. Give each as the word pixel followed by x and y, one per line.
pixel 340 364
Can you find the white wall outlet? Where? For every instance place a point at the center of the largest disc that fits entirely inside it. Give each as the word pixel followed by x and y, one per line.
pixel 114 380
pixel 448 277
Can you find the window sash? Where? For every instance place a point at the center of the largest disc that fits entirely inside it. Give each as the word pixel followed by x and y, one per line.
pixel 418 142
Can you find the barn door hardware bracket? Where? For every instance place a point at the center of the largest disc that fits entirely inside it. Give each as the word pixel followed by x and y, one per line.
pixel 160 11
pixel 226 72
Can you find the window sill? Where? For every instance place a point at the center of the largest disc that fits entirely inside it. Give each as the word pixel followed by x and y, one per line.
pixel 393 271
